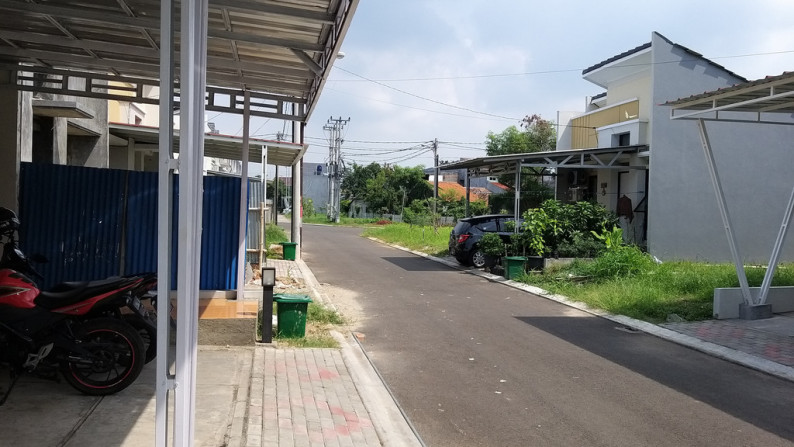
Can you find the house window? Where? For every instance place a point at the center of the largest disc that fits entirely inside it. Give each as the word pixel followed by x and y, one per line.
pixel 621 139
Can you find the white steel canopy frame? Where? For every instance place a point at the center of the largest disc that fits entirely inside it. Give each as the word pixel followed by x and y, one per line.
pixel 767 101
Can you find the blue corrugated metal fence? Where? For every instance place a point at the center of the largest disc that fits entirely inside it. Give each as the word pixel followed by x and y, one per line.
pixel 94 223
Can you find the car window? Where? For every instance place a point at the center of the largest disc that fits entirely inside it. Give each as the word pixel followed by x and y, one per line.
pixel 488 225
pixel 461 227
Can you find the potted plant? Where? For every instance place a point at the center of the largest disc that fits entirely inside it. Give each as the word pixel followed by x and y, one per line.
pixel 492 247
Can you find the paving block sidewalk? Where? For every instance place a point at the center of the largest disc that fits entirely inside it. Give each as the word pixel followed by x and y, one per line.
pixel 771 339
pixel 305 397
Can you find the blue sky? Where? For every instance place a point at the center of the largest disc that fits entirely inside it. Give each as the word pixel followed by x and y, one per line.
pixel 415 70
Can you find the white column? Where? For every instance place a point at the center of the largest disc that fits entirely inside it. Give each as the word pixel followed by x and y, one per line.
pixel 193 64
pixel 164 380
pixel 241 252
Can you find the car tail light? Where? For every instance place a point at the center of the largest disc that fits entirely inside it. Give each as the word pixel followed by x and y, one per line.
pixel 462 238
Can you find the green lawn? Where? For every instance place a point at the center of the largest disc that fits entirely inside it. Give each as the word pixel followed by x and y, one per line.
pixel 419 238
pixel 682 288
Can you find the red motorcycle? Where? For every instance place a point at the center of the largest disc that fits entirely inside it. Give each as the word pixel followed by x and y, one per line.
pixel 68 330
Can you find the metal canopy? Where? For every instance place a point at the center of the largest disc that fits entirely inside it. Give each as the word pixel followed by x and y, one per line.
pixel 281 48
pixel 767 101
pixel 220 146
pixel 605 158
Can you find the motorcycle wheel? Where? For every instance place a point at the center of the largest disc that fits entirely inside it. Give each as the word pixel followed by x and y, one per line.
pixel 116 357
pixel 148 335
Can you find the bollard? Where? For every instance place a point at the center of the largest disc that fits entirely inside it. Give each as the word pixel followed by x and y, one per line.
pixel 266 321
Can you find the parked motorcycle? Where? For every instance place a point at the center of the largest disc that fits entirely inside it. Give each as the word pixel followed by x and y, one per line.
pixel 137 308
pixel 67 331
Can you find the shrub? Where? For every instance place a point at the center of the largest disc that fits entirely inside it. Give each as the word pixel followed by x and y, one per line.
pixel 492 245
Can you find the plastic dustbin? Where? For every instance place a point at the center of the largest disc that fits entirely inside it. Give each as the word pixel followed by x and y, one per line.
pixel 289 250
pixel 291 310
pixel 514 266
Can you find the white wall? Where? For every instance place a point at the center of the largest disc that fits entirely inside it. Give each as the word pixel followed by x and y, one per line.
pixel 755 164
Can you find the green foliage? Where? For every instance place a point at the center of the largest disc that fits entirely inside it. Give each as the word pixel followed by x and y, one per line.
pixel 618 261
pixel 492 245
pixel 386 189
pixel 275 234
pixel 612 239
pixel 554 224
pixel 317 313
pixel 308 207
pixel 535 135
pixel 580 246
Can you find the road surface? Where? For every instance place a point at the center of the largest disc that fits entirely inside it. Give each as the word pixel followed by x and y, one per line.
pixel 476 363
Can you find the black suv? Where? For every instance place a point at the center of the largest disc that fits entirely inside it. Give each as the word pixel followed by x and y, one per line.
pixel 464 238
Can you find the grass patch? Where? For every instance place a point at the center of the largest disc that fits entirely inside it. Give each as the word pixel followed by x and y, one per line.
pixel 343 221
pixel 320 320
pixel 682 288
pixel 419 238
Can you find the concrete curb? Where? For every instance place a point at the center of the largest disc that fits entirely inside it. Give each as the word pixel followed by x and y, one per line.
pixel 390 423
pixel 725 353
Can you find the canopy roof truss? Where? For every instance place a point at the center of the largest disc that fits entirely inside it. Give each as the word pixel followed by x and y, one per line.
pixel 604 158
pixel 768 101
pixel 282 48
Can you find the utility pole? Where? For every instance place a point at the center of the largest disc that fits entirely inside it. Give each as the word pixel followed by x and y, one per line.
pixel 435 180
pixel 334 126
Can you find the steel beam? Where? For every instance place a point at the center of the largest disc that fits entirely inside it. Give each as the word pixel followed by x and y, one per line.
pixel 726 218
pixel 776 249
pixel 164 379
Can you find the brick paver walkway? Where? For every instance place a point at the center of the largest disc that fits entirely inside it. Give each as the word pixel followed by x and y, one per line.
pixel 305 397
pixel 737 334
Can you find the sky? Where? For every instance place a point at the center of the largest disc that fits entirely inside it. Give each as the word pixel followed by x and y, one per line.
pixel 453 70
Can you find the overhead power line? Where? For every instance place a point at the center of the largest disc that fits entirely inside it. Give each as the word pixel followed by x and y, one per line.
pixel 429 99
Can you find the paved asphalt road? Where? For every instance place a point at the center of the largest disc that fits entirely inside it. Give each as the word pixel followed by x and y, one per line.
pixel 475 363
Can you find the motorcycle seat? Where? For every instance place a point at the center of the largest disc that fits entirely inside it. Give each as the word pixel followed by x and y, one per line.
pixel 80 290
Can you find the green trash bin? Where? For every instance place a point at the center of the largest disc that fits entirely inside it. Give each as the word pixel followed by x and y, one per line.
pixel 291 310
pixel 289 250
pixel 514 266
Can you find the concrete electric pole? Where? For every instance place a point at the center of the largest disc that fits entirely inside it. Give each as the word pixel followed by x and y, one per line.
pixel 334 126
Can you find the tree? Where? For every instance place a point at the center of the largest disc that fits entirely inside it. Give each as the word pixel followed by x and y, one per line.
pixel 395 186
pixel 354 184
pixel 385 189
pixel 535 135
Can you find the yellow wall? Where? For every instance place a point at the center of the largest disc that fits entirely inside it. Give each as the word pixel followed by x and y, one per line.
pixel 583 132
pixel 115 112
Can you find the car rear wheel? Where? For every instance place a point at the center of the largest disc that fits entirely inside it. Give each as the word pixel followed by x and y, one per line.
pixel 477 259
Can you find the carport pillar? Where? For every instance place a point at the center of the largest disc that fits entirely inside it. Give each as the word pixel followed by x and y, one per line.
pixel 241 252
pixel 164 381
pixel 726 217
pixel 517 205
pixel 297 205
